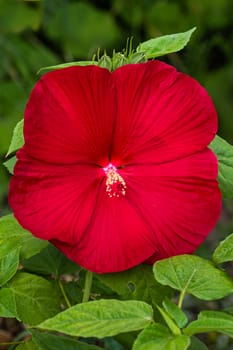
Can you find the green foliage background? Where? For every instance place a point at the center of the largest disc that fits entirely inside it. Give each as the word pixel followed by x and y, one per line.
pixel 34 34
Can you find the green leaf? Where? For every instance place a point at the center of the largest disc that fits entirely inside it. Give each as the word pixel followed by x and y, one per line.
pixel 101 318
pixel 158 337
pixel 224 251
pixel 175 313
pixel 29 345
pixel 10 164
pixel 7 303
pixel 211 321
pixel 8 266
pixel 196 344
pixel 10 235
pixel 137 283
pixel 36 298
pixel 50 261
pixel 17 140
pixel 31 245
pixel 165 44
pixel 13 236
pixel 46 341
pixel 193 275
pixel 169 321
pixel 224 153
pixel 68 64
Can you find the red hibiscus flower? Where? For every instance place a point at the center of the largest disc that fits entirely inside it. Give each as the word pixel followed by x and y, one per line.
pixel 115 170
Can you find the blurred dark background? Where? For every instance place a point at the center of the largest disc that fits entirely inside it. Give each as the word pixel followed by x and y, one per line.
pixel 34 34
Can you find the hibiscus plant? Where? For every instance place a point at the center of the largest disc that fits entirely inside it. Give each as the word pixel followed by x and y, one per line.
pixel 117 178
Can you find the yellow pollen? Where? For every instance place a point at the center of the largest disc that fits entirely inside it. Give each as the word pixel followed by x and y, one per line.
pixel 115 184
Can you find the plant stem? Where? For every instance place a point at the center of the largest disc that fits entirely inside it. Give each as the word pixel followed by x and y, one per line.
pixel 182 294
pixel 64 294
pixel 181 299
pixel 87 286
pixel 12 343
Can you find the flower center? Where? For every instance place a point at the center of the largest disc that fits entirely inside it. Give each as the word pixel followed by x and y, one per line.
pixel 115 184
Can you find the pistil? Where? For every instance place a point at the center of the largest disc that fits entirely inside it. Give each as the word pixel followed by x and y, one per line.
pixel 115 184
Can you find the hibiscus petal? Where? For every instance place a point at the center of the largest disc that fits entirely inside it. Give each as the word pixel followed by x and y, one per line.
pixel 54 201
pixel 69 116
pixel 116 240
pixel 180 201
pixel 162 114
pixel 69 205
pixel 168 209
